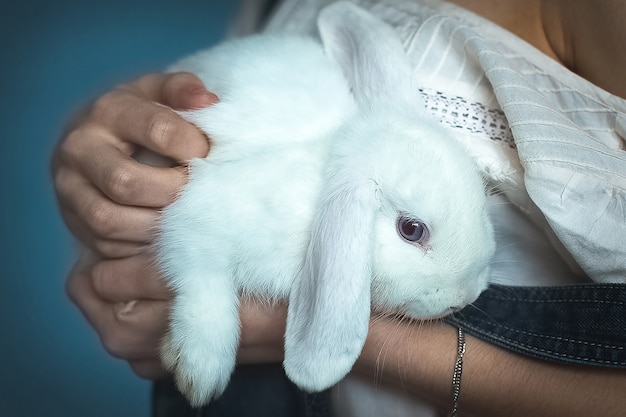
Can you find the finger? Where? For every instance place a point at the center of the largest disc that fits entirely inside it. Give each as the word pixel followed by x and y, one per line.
pixel 129 182
pixel 146 124
pixel 127 279
pixel 118 249
pixel 103 247
pixel 98 218
pixel 106 248
pixel 130 331
pixel 150 369
pixel 114 171
pixel 136 330
pixel 179 90
pixel 185 91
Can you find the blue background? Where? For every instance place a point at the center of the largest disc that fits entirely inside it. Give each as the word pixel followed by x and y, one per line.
pixel 55 56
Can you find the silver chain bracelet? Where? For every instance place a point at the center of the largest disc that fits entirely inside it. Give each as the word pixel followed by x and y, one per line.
pixel 458 372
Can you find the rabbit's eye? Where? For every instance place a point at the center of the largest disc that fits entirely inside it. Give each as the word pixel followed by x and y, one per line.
pixel 413 231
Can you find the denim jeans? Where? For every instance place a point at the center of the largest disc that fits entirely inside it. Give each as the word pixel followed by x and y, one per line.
pixel 254 391
pixel 578 324
pixel 581 324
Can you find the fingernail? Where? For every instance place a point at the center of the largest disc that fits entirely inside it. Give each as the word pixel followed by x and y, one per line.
pixel 203 98
pixel 125 308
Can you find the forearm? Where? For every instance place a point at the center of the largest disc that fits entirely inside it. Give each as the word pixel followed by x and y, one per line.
pixel 420 357
pixel 262 331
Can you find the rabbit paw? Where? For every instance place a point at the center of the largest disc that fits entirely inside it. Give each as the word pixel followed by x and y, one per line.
pixel 200 373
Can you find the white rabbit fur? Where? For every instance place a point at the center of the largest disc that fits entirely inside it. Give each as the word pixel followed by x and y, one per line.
pixel 316 150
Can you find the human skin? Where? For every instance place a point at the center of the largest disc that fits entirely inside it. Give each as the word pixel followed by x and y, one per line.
pixel 586 36
pixel 111 202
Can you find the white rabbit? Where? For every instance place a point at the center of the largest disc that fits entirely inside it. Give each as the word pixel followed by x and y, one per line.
pixel 328 184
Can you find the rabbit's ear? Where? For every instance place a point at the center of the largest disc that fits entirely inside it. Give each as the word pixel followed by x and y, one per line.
pixel 370 54
pixel 329 305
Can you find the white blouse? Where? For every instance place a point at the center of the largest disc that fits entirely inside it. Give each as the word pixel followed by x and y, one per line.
pixel 565 168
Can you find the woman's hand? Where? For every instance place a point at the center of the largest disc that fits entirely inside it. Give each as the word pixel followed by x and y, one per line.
pixel 127 304
pixel 111 203
pixel 109 200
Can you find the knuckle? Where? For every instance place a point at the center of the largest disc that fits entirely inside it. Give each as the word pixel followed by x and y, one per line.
pixel 103 104
pixel 161 129
pixel 101 218
pixel 120 184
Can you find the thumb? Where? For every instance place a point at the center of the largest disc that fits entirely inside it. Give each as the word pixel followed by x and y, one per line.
pixel 185 91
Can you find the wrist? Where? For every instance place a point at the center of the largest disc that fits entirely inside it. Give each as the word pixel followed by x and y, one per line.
pixel 262 331
pixel 419 357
